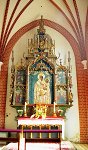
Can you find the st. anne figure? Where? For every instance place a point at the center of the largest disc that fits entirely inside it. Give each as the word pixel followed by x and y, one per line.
pixel 42 90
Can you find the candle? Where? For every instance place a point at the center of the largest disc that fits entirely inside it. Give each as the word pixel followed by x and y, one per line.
pixel 54 106
pixel 25 107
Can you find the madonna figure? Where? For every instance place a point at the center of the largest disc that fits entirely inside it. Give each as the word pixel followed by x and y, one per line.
pixel 42 90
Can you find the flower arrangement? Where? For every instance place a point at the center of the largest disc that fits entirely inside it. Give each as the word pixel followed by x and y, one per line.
pixel 41 111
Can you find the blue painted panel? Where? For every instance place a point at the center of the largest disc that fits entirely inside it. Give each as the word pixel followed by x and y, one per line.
pixel 33 78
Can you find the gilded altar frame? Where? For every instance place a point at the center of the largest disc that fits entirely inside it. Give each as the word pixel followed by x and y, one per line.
pixel 41 58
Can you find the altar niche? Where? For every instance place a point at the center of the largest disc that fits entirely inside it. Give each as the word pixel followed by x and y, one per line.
pixel 41 88
pixel 38 79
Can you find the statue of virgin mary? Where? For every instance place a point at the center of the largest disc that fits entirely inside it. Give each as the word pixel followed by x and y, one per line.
pixel 42 90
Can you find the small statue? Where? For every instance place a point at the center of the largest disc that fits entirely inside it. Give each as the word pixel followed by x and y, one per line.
pixel 70 96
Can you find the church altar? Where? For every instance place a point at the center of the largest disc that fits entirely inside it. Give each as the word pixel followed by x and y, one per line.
pixel 48 121
pixel 41 86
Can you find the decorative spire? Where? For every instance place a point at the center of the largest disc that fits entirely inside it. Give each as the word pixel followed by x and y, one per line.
pixel 41 42
pixel 41 29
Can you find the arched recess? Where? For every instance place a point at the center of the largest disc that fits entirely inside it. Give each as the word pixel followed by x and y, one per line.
pixel 34 24
pixel 48 71
pixel 12 42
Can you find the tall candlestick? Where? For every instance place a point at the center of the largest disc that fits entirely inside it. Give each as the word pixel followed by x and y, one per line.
pixel 54 106
pixel 25 107
pixel 54 111
pixel 25 113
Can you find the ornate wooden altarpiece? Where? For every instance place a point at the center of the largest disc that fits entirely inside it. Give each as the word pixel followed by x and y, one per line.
pixel 54 93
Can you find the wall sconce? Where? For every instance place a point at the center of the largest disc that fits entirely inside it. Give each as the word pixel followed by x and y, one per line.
pixel 1 63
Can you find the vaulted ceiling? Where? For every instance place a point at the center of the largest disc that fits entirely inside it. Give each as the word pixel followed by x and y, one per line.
pixel 66 16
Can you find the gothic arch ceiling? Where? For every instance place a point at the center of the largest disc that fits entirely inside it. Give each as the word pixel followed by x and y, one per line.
pixel 71 15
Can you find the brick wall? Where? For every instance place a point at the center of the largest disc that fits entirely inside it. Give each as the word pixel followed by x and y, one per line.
pixel 3 88
pixel 82 78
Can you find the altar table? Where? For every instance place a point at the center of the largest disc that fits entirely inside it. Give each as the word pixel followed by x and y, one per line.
pixel 49 121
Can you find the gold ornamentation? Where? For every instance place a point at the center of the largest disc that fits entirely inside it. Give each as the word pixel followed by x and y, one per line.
pixel 41 111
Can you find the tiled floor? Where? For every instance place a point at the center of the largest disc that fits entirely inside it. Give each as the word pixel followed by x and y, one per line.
pixel 81 146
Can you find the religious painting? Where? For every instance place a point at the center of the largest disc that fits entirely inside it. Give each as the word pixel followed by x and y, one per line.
pixel 21 77
pixel 40 87
pixel 61 84
pixel 61 96
pixel 20 89
pixel 61 77
pixel 20 95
